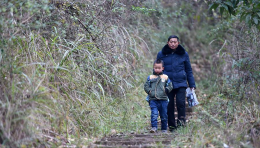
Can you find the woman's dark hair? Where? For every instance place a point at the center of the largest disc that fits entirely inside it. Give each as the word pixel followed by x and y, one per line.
pixel 173 36
pixel 159 61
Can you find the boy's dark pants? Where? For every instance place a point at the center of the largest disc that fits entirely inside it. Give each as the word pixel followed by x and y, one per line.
pixel 161 106
pixel 180 104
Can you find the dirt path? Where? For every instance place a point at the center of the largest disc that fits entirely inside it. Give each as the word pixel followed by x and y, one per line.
pixel 143 140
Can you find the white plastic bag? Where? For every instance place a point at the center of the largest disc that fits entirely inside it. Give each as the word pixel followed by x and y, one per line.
pixel 191 97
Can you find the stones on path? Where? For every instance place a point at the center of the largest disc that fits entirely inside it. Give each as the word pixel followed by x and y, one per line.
pixel 135 140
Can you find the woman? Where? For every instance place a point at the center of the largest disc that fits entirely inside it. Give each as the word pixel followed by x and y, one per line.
pixel 177 67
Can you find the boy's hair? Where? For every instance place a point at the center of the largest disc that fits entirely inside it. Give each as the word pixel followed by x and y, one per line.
pixel 159 61
pixel 173 36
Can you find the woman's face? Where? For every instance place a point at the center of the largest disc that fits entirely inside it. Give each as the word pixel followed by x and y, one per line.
pixel 173 43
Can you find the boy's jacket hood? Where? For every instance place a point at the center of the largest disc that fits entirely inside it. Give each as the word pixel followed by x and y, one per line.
pixel 154 73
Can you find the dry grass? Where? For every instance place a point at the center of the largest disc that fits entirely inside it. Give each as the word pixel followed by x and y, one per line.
pixel 69 84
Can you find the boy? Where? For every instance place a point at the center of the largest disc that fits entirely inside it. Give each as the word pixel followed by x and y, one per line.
pixel 157 87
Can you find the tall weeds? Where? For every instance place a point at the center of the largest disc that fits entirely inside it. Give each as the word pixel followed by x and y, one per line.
pixel 68 78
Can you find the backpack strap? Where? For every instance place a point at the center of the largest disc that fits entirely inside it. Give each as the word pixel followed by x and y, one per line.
pixel 164 76
pixel 153 77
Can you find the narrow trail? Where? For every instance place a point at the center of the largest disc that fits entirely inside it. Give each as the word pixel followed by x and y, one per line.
pixel 142 140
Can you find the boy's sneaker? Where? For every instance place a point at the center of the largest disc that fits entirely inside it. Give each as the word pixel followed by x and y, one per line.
pixel 153 130
pixel 164 131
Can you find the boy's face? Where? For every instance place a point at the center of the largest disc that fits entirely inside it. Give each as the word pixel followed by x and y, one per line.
pixel 158 68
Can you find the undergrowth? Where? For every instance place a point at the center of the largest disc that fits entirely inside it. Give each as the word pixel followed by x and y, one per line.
pixel 66 81
pixel 220 122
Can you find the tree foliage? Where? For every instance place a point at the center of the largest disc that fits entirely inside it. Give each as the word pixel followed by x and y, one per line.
pixel 247 10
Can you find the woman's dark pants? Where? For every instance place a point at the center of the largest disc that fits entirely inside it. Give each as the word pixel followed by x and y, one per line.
pixel 180 104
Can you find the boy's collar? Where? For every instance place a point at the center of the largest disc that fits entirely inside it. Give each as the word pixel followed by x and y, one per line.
pixel 157 74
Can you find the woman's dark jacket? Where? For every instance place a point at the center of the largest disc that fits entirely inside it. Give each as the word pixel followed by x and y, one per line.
pixel 177 66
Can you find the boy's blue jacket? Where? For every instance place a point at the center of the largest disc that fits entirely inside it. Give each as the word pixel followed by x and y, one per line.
pixel 157 87
pixel 177 66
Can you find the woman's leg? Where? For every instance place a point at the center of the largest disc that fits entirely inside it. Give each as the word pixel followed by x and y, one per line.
pixel 170 110
pixel 181 105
